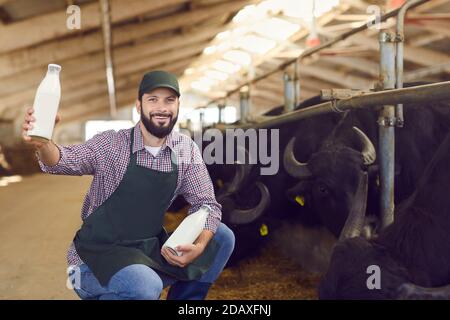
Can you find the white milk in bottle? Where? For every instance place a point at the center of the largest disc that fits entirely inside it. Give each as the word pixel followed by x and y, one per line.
pixel 46 104
pixel 188 230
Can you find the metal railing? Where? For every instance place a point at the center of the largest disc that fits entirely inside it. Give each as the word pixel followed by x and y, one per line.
pixel 423 93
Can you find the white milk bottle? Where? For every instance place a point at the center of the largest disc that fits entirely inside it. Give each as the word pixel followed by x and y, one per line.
pixel 46 104
pixel 188 230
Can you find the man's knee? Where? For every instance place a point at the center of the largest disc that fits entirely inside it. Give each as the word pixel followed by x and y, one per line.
pixel 151 291
pixel 225 237
pixel 137 282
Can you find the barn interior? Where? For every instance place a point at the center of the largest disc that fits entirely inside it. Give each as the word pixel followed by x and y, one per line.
pixel 220 50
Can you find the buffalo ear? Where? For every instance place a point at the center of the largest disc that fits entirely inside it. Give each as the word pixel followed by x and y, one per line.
pixel 300 189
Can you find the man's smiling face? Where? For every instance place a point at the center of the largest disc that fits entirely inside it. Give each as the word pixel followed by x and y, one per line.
pixel 159 111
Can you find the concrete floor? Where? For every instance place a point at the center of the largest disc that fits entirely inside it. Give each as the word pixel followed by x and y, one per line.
pixel 38 219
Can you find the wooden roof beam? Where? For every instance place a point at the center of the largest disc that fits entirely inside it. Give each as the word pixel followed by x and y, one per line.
pixel 272 87
pixel 417 55
pixel 339 78
pixel 422 73
pixel 434 26
pixel 3 2
pixel 426 39
pixel 316 84
pixel 52 25
pixel 267 95
pixel 359 64
pixel 57 51
pixel 430 5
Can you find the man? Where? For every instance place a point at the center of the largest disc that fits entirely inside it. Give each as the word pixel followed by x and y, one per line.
pixel 137 174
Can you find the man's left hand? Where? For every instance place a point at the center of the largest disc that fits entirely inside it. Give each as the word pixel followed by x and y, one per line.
pixel 190 252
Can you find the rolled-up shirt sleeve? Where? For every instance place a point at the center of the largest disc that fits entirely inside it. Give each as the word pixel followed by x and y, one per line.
pixel 197 189
pixel 80 159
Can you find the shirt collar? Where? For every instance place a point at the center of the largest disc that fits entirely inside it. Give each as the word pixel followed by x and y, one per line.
pixel 138 143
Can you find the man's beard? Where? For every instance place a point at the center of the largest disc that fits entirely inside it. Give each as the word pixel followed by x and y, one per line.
pixel 158 130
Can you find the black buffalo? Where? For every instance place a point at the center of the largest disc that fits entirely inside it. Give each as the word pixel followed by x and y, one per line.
pixel 329 179
pixel 413 253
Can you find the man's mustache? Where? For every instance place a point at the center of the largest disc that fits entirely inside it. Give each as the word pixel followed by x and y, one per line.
pixel 160 114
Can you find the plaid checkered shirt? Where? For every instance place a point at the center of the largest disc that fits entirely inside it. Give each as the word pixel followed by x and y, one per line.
pixel 106 157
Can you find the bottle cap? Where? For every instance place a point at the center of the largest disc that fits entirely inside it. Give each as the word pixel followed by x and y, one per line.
pixel 54 67
pixel 207 207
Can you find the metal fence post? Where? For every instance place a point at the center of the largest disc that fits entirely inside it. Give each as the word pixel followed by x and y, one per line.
pixel 202 119
pixel 297 89
pixel 289 92
pixel 387 122
pixel 244 98
pixel 220 107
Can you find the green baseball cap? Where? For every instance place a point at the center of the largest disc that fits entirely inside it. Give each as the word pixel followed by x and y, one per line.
pixel 158 79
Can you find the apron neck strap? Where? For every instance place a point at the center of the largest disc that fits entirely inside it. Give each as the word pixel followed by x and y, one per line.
pixel 132 155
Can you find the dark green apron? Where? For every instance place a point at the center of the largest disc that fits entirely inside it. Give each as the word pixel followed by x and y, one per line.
pixel 128 227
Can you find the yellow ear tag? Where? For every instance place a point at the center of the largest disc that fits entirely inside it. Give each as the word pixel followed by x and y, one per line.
pixel 264 230
pixel 300 200
pixel 219 183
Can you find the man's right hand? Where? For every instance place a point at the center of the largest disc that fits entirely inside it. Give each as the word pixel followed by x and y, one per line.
pixel 28 125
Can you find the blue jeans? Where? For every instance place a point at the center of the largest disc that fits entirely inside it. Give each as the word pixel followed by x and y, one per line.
pixel 140 282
